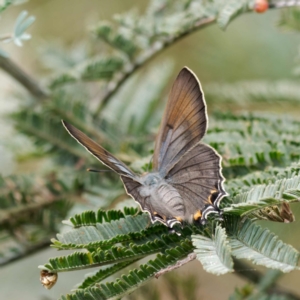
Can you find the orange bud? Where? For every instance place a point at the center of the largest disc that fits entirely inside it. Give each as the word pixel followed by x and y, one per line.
pixel 261 6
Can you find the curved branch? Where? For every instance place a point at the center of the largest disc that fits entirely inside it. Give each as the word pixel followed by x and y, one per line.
pixel 23 78
pixel 38 92
pixel 114 85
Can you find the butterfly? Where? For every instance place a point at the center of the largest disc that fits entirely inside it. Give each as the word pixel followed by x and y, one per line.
pixel 186 183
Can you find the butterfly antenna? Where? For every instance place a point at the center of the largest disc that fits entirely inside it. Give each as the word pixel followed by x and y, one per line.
pixel 98 171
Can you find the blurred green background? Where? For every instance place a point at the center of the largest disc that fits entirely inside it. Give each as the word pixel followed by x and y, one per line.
pixel 253 47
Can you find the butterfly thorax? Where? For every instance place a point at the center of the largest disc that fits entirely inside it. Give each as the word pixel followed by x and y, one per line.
pixel 150 179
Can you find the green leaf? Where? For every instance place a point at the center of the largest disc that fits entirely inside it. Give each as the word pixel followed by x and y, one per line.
pixel 243 93
pixel 230 10
pixel 128 283
pixel 289 18
pixel 115 254
pixel 105 235
pixel 102 69
pixel 91 218
pixel 102 274
pixel 283 189
pixel 281 185
pixel 62 80
pixel 261 246
pixel 47 132
pixel 253 141
pixel 242 209
pixel 104 31
pixel 214 253
pixel 105 231
pixel 33 205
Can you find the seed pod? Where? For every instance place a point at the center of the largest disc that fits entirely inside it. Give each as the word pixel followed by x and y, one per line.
pixel 48 279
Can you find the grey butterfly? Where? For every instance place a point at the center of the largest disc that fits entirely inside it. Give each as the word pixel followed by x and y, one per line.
pixel 186 183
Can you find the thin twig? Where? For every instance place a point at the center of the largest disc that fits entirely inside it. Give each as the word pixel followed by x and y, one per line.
pixel 13 214
pixel 178 264
pixel 4 37
pixel 53 140
pixel 45 243
pixel 22 77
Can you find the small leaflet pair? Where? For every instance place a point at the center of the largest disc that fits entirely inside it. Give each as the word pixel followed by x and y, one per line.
pixel 186 183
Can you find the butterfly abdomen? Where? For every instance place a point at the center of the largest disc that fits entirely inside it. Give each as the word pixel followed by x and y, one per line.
pixel 161 197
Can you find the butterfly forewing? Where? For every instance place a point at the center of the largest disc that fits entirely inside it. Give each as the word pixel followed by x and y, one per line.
pixel 184 122
pixel 100 153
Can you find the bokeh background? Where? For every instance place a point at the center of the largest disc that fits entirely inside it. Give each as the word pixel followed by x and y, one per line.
pixel 253 48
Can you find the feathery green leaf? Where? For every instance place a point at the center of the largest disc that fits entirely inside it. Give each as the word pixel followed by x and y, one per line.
pixel 261 246
pixel 214 253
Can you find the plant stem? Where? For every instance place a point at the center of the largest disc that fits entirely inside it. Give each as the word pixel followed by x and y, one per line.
pixel 178 264
pixel 53 140
pixel 13 214
pixel 29 250
pixel 23 78
pixel 114 85
pixel 5 37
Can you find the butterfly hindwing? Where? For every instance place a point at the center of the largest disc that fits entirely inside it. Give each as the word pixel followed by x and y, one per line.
pixel 198 179
pixel 184 122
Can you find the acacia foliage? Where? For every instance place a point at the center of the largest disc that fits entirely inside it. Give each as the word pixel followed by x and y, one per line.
pixel 260 159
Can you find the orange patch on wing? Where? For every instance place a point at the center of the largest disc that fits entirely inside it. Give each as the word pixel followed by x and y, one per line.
pixel 179 219
pixel 211 193
pixel 197 215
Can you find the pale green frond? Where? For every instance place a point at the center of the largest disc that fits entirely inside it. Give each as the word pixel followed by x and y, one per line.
pixel 214 253
pixel 104 235
pixel 290 18
pixel 282 189
pixel 231 9
pixel 262 247
pixel 248 92
pixel 247 196
pixel 136 277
